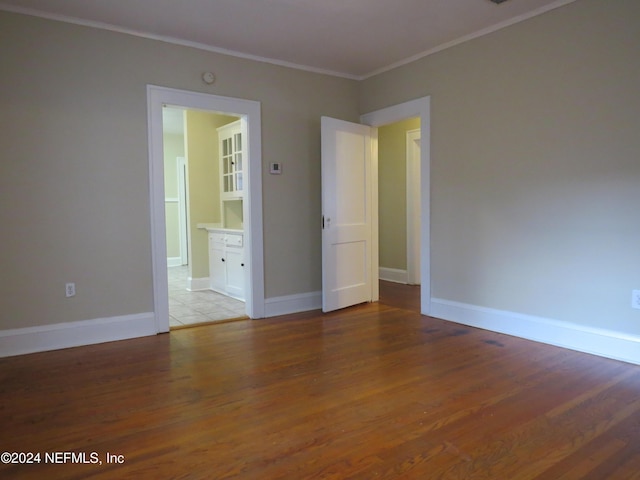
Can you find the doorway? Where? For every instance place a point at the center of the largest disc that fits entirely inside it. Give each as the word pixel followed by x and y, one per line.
pixel 249 114
pixel 419 108
pixel 350 153
pixel 192 181
pixel 399 201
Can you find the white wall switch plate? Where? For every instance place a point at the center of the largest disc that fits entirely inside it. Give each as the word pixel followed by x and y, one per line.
pixel 275 168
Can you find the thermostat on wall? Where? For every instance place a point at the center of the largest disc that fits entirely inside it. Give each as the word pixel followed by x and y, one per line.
pixel 275 168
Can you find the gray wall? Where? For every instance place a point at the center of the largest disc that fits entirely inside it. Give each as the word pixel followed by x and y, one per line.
pixel 74 186
pixel 535 164
pixel 535 167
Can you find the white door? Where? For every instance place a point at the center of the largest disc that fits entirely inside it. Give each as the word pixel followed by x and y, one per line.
pixel 347 202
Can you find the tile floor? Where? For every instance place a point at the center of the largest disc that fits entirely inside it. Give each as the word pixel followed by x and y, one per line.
pixel 190 308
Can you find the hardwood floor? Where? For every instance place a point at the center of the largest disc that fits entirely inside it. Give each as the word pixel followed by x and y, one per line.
pixel 402 296
pixel 373 391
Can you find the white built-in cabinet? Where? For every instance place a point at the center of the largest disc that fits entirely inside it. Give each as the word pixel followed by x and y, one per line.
pixel 226 262
pixel 226 244
pixel 231 161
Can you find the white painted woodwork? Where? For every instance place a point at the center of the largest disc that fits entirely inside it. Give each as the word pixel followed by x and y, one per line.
pixel 420 107
pixel 232 161
pixel 347 203
pixel 226 262
pixel 234 261
pixel 183 205
pixel 413 207
pixel 231 156
pixel 217 268
pixel 250 113
pixel 43 338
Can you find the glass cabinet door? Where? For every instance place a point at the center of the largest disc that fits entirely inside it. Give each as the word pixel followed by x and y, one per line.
pixel 237 162
pixel 227 165
pixel 231 160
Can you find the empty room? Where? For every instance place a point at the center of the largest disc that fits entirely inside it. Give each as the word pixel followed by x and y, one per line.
pixel 420 220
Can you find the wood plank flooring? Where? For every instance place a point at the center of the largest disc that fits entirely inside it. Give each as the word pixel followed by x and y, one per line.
pixel 375 391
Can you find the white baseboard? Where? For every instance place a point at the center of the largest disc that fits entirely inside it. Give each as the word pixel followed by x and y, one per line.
pixel 174 261
pixel 74 334
pixel 197 284
pixel 393 275
pixel 292 304
pixel 601 342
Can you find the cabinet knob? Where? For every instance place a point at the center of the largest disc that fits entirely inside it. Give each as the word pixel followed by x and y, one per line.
pixel 242 264
pixel 223 259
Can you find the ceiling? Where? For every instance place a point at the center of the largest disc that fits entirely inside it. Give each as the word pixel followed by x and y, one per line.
pixel 349 38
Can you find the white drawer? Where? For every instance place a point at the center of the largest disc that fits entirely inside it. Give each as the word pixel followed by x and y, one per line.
pixel 233 240
pixel 217 238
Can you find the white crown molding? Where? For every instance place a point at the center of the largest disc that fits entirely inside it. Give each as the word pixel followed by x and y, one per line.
pixel 175 41
pixel 273 61
pixel 471 36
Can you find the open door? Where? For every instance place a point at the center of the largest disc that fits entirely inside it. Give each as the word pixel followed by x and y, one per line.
pixel 347 220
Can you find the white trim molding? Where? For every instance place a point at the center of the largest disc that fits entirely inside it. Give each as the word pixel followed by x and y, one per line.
pixel 412 163
pixel 174 261
pixel 21 341
pixel 393 275
pixel 250 113
pixel 596 341
pixel 198 284
pixel 293 304
pixel 420 107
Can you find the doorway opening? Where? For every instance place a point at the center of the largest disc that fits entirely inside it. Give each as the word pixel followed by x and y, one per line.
pixel 249 210
pixel 194 207
pixel 420 109
pixel 399 201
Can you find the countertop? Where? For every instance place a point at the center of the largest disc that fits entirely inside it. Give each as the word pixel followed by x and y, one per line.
pixel 217 227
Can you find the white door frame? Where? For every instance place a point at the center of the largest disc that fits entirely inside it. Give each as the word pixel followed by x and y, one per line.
pixel 183 205
pixel 421 108
pixel 249 112
pixel 413 206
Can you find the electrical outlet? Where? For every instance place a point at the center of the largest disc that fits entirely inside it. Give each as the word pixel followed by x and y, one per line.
pixel 635 299
pixel 70 289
